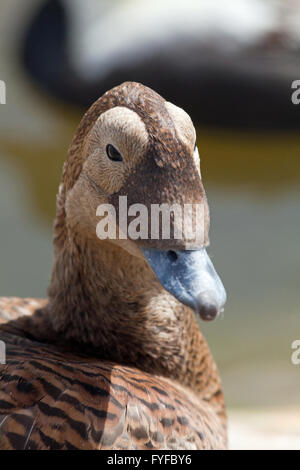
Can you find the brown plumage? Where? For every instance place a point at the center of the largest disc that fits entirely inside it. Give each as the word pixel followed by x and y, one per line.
pixel 111 359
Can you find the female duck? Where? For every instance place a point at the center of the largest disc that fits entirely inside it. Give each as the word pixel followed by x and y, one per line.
pixel 114 357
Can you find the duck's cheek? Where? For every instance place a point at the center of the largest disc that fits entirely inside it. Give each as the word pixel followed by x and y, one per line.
pixel 130 247
pixel 191 278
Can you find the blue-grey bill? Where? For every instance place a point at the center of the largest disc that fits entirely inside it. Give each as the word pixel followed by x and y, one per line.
pixel 191 278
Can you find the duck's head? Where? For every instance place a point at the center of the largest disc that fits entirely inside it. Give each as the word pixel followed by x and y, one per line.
pixel 132 152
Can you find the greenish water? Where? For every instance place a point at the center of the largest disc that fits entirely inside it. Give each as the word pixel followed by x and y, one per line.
pixel 255 247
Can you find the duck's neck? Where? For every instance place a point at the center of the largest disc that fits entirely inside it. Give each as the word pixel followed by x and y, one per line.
pixel 109 300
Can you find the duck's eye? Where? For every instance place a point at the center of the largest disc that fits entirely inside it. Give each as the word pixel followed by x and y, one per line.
pixel 113 154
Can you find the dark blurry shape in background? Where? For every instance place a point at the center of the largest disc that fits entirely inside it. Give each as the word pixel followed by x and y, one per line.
pixel 227 63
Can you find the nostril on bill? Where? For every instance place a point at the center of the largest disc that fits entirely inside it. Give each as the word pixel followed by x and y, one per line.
pixel 207 306
pixel 172 255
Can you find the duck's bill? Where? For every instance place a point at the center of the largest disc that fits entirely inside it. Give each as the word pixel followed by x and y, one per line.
pixel 191 278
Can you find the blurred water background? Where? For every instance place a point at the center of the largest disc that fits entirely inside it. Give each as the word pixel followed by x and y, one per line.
pixel 252 180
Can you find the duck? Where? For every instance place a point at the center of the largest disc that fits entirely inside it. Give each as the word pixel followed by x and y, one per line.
pixel 114 357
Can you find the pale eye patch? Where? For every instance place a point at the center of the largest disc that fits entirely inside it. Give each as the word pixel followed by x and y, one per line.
pixel 197 159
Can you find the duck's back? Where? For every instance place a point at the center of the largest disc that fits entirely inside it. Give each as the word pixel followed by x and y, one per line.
pixel 51 399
